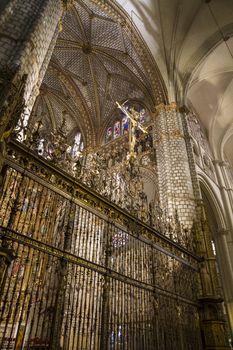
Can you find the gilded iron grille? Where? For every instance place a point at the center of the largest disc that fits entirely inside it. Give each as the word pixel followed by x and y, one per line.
pixel 87 275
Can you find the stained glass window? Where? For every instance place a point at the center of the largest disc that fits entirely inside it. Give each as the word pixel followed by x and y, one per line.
pixel 125 125
pixel 117 129
pixel 143 116
pixel 109 134
pixel 121 125
pixel 77 146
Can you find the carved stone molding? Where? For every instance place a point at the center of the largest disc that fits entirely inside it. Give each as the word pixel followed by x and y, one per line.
pixel 170 107
pixel 223 231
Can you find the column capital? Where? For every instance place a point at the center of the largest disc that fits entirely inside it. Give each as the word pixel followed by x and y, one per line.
pixel 223 231
pixel 170 107
pixel 219 162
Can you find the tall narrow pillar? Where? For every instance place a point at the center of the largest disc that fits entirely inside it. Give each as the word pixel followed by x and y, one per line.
pixel 28 31
pixel 179 191
pixel 175 185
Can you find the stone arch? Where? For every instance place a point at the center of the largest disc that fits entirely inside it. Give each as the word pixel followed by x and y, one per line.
pixel 150 181
pixel 219 230
pixel 212 203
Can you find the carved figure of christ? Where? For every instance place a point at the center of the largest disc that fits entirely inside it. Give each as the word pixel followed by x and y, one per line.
pixel 133 125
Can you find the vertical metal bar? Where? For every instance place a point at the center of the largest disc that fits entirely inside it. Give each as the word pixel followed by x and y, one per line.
pixel 91 230
pixel 34 259
pixel 95 303
pixel 68 294
pixel 9 198
pixel 16 204
pixel 84 310
pixel 87 234
pixel 65 229
pixel 75 235
pixel 133 308
pixel 146 320
pixel 94 288
pixel 16 295
pixel 37 312
pixel 29 219
pixel 39 220
pixel 4 188
pixel 35 286
pixel 21 216
pixel 70 333
pixel 79 233
pixel 83 233
pixel 129 317
pixel 70 229
pixel 5 312
pixel 143 317
pixel 87 309
pixel 105 296
pixel 121 296
pixel 119 302
pixel 95 239
pixel 115 311
pixel 124 317
pixel 78 308
pixel 6 289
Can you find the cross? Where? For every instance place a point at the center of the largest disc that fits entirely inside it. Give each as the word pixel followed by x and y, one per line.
pixel 134 123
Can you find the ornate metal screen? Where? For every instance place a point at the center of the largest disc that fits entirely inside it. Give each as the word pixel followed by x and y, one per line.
pixel 86 275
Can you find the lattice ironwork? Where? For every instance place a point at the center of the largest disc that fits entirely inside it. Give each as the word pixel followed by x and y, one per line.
pixel 109 171
pixel 86 275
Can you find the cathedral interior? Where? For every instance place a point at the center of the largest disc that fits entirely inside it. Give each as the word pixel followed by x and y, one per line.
pixel 116 174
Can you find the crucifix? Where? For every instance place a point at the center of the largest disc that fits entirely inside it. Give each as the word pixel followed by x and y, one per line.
pixel 134 124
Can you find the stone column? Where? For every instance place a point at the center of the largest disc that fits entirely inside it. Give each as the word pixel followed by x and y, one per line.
pixel 226 271
pixel 28 31
pixel 210 298
pixel 227 199
pixel 179 191
pixel 175 186
pixel 224 238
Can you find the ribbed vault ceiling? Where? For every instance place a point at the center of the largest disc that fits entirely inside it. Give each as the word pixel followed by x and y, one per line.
pixel 98 59
pixel 191 41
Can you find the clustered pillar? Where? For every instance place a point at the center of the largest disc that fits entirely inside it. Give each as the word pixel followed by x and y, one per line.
pixel 28 31
pixel 175 187
pixel 179 191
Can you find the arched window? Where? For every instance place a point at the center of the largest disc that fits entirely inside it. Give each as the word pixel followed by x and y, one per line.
pixel 120 126
pixel 77 146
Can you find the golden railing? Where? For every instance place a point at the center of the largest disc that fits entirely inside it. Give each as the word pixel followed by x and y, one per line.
pixel 86 274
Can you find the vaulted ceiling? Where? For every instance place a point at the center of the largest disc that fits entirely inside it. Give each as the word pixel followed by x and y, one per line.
pixel 192 43
pixel 98 59
pixel 145 50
